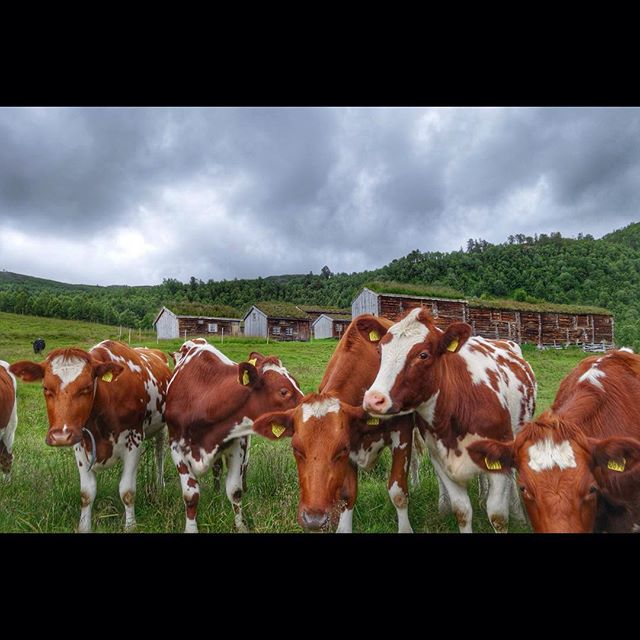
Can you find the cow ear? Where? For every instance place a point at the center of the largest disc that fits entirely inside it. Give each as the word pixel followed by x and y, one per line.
pixel 276 425
pixel 174 355
pixel 454 337
pixel 492 455
pixel 370 328
pixel 255 358
pixel 359 414
pixel 27 371
pixel 248 375
pixel 107 371
pixel 616 455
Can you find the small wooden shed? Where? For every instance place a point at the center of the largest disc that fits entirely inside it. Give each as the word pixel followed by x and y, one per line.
pixel 209 321
pixel 394 305
pixel 330 325
pixel 278 320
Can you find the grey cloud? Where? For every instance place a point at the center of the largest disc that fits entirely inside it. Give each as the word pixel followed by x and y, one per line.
pixel 353 188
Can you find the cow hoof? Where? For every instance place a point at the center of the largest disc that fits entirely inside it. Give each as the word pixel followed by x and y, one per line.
pixel 241 527
pixel 500 524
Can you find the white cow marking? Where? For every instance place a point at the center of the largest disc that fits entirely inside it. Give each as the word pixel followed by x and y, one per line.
pixel 406 334
pixel 395 441
pixel 592 374
pixel 283 372
pixel 320 408
pixel 546 454
pixel 427 410
pixel 67 369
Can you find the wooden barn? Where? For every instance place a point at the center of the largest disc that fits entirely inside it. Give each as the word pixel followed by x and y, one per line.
pixel 394 305
pixel 545 325
pixel 208 321
pixel 314 311
pixel 330 325
pixel 278 321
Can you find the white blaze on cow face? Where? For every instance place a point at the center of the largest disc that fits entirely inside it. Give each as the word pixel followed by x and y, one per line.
pixel 67 369
pixel 320 408
pixel 546 454
pixel 283 372
pixel 404 336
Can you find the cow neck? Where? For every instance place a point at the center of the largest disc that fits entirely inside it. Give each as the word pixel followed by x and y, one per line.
pixel 449 421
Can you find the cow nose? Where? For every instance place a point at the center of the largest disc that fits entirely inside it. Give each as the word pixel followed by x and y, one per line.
pixel 376 402
pixel 314 521
pixel 59 438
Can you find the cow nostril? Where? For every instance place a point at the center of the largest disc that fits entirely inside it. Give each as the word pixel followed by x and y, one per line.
pixel 314 521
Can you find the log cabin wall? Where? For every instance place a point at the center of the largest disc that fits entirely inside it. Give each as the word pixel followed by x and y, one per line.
pixel 444 312
pixel 200 326
pixel 287 329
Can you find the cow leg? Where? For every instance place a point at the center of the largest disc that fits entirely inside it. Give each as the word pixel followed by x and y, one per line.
pixel 460 503
pixel 483 489
pixel 498 501
pixel 159 453
pixel 6 443
pixel 216 469
pixel 130 460
pixel 235 457
pixel 397 484
pixel 348 494
pixel 88 487
pixel 444 501
pixel 515 501
pixel 190 488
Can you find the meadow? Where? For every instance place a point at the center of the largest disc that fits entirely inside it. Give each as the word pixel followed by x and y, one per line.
pixel 44 492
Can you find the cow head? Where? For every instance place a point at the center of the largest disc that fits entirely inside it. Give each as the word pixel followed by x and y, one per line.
pixel 561 472
pixel 272 387
pixel 69 381
pixel 412 354
pixel 320 429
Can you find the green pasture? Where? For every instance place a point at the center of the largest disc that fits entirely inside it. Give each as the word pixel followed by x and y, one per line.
pixel 44 493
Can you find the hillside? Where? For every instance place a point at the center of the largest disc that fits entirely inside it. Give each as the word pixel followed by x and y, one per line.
pixel 546 268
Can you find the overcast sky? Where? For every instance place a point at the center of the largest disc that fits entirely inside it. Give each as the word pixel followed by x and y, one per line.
pixel 134 195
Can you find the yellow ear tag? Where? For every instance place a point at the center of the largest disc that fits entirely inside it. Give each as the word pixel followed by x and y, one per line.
pixel 277 430
pixel 245 378
pixel 253 361
pixel 107 377
pixel 614 465
pixel 374 336
pixel 453 345
pixel 373 421
pixel 492 465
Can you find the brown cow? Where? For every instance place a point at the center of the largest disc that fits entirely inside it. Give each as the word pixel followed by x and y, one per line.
pixel 210 395
pixel 103 403
pixel 8 417
pixel 577 463
pixel 465 388
pixel 331 437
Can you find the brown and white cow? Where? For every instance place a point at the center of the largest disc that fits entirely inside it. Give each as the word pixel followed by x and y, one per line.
pixel 8 417
pixel 465 388
pixel 332 436
pixel 103 403
pixel 210 395
pixel 577 463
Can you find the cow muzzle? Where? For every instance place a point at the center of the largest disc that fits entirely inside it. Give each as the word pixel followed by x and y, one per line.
pixel 376 402
pixel 60 438
pixel 314 521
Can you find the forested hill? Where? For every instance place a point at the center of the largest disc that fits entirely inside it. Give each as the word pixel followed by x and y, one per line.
pixel 603 272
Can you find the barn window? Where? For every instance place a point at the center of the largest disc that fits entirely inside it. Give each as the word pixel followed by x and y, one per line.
pixel 338 328
pixel 289 331
pixel 200 321
pixel 275 330
pixel 212 327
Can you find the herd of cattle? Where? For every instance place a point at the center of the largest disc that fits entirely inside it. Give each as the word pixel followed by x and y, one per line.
pixel 407 385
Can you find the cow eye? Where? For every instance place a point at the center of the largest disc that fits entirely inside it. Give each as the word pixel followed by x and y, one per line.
pixel 86 390
pixel 341 454
pixel 525 492
pixel 284 392
pixel 594 488
pixel 47 391
pixel 298 454
pixel 423 355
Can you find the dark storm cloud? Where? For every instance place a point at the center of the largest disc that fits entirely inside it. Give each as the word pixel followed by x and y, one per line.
pixel 241 192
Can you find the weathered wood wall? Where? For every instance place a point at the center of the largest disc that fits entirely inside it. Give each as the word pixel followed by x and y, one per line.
pixel 444 312
pixel 200 326
pixel 300 329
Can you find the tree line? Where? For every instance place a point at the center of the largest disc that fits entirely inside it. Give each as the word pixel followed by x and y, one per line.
pixel 582 270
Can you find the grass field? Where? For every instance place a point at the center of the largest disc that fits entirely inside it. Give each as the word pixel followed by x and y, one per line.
pixel 44 492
